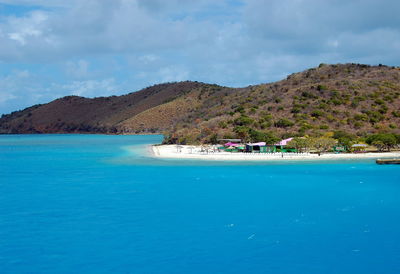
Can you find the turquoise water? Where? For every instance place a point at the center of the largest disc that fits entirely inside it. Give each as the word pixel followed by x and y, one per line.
pixel 97 204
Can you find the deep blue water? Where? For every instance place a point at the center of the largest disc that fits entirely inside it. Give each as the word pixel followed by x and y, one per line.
pixel 88 204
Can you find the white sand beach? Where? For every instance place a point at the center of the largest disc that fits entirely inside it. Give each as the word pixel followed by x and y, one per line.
pixel 195 152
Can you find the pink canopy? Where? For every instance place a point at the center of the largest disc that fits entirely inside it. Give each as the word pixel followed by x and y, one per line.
pixel 230 144
pixel 284 142
pixel 258 144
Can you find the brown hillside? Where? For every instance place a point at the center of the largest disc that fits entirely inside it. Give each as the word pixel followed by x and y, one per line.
pixel 358 99
pixel 98 115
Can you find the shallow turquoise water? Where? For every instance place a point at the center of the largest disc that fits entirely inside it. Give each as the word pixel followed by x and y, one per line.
pixel 88 204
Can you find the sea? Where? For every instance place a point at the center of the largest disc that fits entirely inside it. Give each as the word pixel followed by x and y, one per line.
pixel 102 204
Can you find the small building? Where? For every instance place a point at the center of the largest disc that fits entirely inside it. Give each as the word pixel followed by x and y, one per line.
pixel 282 146
pixel 260 147
pixel 339 149
pixel 255 147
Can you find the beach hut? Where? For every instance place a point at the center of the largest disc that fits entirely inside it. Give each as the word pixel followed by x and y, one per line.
pixel 256 147
pixel 260 147
pixel 339 149
pixel 282 146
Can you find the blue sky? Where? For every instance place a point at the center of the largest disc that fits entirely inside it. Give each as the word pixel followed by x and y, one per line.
pixel 54 48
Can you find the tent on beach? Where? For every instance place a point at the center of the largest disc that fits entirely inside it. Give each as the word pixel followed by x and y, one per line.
pixel 359 147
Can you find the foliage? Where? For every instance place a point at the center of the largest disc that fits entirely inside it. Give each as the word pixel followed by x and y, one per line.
pixel 213 139
pixel 301 144
pixel 322 144
pixel 242 132
pixel 317 113
pixel 284 123
pixel 344 138
pixel 383 141
pixel 243 120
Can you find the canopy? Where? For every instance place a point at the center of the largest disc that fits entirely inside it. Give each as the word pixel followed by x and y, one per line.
pixel 258 144
pixel 359 145
pixel 230 144
pixel 284 142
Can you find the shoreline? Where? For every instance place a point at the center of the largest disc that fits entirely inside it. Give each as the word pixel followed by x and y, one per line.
pixel 194 153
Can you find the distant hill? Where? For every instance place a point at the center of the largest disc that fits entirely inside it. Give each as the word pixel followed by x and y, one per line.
pixel 73 114
pixel 358 99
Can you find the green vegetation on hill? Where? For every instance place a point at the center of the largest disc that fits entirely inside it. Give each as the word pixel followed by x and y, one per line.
pixel 356 100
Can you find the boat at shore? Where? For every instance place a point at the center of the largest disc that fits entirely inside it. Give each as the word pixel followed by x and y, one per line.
pixel 388 161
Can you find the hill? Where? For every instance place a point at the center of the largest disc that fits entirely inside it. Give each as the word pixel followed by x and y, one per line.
pixel 73 114
pixel 357 99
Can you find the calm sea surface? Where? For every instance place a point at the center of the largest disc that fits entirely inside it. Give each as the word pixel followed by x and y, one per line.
pixel 97 204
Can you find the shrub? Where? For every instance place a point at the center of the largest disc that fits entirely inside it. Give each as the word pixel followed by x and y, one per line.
pixel 240 109
pixel 354 103
pixel 295 109
pixel 323 127
pixel 374 116
pixel 222 124
pixel 360 117
pixel 308 95
pixel 243 121
pixel 284 123
pixel 317 113
pixel 336 102
pixel 358 124
pixel 265 125
pixel 396 113
pixel 383 109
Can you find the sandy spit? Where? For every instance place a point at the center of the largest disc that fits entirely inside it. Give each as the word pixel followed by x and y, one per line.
pixel 193 152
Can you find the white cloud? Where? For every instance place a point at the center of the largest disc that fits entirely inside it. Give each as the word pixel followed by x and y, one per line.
pixel 148 58
pixel 23 29
pixel 101 46
pixel 173 74
pixel 78 69
pixel 90 88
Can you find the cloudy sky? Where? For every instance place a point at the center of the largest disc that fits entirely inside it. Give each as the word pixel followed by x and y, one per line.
pixel 53 48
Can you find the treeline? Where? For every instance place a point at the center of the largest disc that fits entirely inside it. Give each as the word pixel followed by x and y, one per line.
pixel 382 141
pixel 324 143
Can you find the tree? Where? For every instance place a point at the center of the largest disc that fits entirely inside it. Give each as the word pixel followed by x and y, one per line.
pixel 301 144
pixel 323 144
pixel 344 139
pixel 382 141
pixel 242 132
pixel 378 144
pixel 213 139
pixel 255 135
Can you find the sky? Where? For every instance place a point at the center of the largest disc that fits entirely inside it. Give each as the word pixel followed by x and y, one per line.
pixel 91 48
